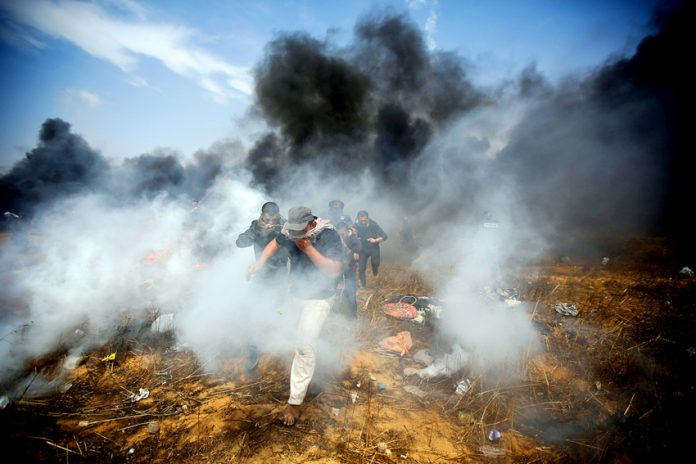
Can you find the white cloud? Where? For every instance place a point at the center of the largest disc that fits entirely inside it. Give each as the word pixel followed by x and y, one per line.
pixel 92 99
pixel 124 42
pixel 430 27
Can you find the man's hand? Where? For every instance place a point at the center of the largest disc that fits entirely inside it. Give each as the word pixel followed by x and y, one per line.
pixel 252 270
pixel 303 243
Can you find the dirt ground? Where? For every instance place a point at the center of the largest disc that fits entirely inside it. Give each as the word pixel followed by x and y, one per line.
pixel 613 384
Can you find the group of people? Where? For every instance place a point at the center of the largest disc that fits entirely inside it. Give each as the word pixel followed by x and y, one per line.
pixel 320 257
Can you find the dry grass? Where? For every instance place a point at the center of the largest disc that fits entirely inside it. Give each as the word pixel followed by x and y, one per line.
pixel 589 397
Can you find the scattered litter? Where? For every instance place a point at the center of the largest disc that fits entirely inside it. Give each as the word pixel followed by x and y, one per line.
pixel 164 323
pixel 382 446
pixel 686 272
pixel 509 296
pixel 412 389
pixel 463 386
pixel 566 309
pixel 491 451
pixel 401 310
pixel 598 385
pixel 605 261
pixel 494 435
pixel 131 451
pixel 373 378
pixel 412 308
pixel 83 423
pixel 65 387
pixel 353 397
pixel 4 401
pixel 335 411
pixel 399 343
pixel 357 385
pixel 141 395
pixel 185 408
pixel 381 386
pixel 465 418
pixel 447 364
pixel 109 358
pixel 153 427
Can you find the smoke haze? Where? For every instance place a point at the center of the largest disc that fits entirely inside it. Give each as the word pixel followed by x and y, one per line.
pixel 383 124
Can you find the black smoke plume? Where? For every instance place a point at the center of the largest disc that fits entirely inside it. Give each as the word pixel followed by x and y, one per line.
pixel 62 164
pixel 372 106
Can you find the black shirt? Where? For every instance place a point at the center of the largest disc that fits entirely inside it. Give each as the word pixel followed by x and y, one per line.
pixel 306 280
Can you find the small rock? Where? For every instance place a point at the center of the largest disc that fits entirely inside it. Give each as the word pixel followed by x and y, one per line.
pixel 153 427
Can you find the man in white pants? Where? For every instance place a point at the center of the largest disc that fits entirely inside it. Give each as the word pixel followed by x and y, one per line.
pixel 315 252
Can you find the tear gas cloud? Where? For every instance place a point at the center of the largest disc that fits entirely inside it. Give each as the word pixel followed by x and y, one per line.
pixel 383 124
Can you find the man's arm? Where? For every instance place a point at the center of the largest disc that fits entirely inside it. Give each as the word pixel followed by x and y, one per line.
pixel 377 230
pixel 271 249
pixel 328 266
pixel 246 238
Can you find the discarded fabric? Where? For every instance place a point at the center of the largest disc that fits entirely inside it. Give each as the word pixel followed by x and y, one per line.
pixel 399 343
pixel 403 311
pixel 446 365
pixel 566 309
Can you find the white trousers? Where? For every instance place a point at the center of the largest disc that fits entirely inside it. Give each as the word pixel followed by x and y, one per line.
pixel 312 317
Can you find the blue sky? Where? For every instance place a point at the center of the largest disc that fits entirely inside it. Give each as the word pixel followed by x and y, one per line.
pixel 134 76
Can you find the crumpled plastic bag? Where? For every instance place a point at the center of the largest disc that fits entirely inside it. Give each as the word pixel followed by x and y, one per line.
pixel 399 343
pixel 566 309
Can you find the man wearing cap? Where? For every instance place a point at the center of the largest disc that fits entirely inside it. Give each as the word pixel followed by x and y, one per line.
pixel 315 252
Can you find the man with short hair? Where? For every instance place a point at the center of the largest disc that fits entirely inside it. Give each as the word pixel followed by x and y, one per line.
pixel 336 214
pixel 315 252
pixel 260 233
pixel 370 235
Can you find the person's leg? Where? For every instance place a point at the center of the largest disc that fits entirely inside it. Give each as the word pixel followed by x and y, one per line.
pixel 362 266
pixel 375 260
pixel 312 317
pixel 350 289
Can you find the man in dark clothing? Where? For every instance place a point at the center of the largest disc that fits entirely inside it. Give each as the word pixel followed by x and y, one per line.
pixel 351 255
pixel 260 232
pixel 336 214
pixel 370 235
pixel 315 253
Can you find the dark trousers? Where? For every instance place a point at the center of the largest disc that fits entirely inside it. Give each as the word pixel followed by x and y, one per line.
pixel 373 256
pixel 350 289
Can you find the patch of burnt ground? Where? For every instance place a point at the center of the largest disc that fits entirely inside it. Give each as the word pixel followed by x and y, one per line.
pixel 613 384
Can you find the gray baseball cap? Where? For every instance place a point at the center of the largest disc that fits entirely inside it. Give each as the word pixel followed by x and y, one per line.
pixel 299 217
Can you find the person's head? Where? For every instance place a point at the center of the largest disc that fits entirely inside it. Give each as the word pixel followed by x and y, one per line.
pixel 363 217
pixel 336 205
pixel 270 213
pixel 342 229
pixel 300 220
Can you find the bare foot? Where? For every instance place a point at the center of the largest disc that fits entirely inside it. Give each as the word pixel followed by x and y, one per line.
pixel 290 414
